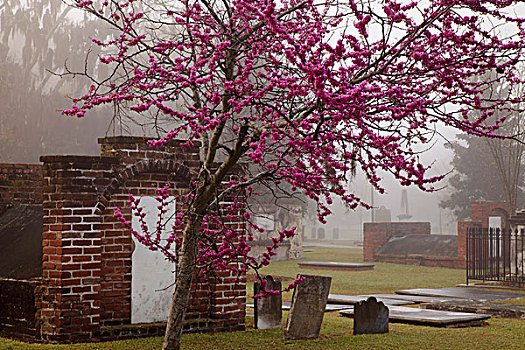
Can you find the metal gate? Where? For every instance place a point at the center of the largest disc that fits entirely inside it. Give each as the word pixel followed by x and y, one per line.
pixel 496 255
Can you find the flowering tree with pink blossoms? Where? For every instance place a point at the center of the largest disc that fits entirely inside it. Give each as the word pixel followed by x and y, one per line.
pixel 302 92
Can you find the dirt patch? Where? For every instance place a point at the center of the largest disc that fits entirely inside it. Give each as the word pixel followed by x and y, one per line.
pixel 21 241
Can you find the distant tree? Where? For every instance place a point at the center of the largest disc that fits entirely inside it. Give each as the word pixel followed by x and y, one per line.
pixel 508 154
pixel 474 176
pixel 489 168
pixel 38 36
pixel 303 90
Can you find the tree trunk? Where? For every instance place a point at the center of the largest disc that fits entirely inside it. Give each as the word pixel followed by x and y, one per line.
pixel 185 270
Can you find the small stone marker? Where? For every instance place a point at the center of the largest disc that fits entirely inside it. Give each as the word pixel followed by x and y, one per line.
pixel 268 312
pixel 308 307
pixel 370 317
pixel 335 233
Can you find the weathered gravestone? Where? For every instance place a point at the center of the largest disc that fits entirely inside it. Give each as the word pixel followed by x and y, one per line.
pixel 308 307
pixel 335 233
pixel 268 312
pixel 370 317
pixel 320 233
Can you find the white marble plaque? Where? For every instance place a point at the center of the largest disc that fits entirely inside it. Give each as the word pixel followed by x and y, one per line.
pixel 152 276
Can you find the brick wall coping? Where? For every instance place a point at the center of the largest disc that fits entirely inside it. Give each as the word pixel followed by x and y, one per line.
pixel 141 139
pixel 21 165
pixel 98 159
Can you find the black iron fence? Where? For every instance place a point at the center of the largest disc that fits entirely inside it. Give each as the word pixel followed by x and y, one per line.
pixel 496 255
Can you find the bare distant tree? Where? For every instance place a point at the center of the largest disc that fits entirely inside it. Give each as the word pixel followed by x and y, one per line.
pixel 508 154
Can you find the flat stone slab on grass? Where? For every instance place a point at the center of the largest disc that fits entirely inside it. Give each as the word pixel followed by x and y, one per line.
pixel 408 299
pixel 332 265
pixel 493 309
pixel 328 308
pixel 434 318
pixel 354 299
pixel 462 293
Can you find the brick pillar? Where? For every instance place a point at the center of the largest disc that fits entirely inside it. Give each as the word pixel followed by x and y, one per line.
pixel 463 227
pixel 229 291
pixel 228 302
pixel 71 260
pixel 374 236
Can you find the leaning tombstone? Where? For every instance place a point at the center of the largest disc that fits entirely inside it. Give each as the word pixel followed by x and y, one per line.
pixel 268 312
pixel 370 317
pixel 308 307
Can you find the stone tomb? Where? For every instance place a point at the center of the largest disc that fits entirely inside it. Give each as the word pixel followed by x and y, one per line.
pixel 354 299
pixel 434 318
pixel 503 310
pixel 308 307
pixel 268 312
pixel 461 293
pixel 370 317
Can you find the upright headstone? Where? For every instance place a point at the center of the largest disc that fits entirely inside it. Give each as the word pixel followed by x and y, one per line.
pixel 320 233
pixel 335 233
pixel 308 307
pixel 268 311
pixel 370 317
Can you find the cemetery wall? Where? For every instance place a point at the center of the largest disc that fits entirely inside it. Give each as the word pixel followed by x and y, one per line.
pixel 20 183
pixel 19 309
pixel 87 254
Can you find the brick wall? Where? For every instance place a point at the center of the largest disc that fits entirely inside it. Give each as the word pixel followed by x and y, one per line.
pixel 87 253
pixel 19 309
pixel 20 183
pixel 375 235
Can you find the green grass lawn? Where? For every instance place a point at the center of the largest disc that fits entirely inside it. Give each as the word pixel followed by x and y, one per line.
pixel 336 332
pixel 384 278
